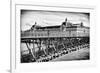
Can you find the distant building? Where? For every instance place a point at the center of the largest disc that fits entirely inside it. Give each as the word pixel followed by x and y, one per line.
pixel 66 29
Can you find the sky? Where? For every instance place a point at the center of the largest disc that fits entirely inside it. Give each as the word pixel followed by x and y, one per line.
pixel 51 18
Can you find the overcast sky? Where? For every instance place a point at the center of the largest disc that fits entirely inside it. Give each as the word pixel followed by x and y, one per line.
pixel 48 18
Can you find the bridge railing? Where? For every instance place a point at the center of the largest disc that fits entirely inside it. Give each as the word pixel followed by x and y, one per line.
pixel 45 34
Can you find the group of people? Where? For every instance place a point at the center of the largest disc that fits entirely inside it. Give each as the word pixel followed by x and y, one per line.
pixel 56 48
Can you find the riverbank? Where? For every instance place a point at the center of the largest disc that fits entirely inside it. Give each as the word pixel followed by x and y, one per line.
pixel 82 54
